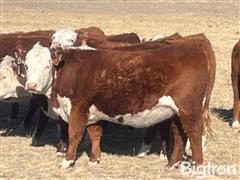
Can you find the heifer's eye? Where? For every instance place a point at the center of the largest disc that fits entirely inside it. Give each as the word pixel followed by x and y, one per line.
pixel 47 67
pixel 26 67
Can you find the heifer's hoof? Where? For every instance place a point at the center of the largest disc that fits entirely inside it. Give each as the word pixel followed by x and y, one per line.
pixel 144 150
pixel 142 154
pixel 66 164
pixel 236 124
pixel 94 163
pixel 61 149
pixel 163 157
pixel 37 143
pixel 171 166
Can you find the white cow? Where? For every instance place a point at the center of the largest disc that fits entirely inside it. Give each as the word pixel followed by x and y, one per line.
pixel 10 87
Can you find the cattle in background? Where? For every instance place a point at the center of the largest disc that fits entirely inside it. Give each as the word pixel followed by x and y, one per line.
pixel 16 45
pixel 91 36
pixel 236 84
pixel 138 88
pixel 13 42
pixel 10 87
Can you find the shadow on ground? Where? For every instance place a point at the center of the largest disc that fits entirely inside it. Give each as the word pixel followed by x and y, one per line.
pixel 116 139
pixel 224 114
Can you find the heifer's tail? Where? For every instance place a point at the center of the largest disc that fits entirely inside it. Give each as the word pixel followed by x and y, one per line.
pixel 211 64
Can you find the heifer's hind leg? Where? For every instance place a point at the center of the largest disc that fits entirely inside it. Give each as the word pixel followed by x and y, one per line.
pixel 236 109
pixel 180 139
pixel 95 134
pixel 77 124
pixel 193 128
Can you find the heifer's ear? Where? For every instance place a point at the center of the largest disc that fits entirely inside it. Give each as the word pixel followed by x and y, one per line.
pixel 57 56
pixel 82 38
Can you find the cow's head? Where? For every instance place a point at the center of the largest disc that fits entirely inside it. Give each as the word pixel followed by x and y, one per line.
pixel 9 84
pixel 38 69
pixel 64 38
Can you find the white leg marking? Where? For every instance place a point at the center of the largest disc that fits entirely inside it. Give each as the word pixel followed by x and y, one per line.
pixel 187 145
pixel 204 143
pixel 163 157
pixel 144 150
pixel 236 124
pixel 94 163
pixel 66 163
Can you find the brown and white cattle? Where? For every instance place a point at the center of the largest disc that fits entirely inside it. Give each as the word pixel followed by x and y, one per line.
pixel 236 84
pixel 19 43
pixel 16 45
pixel 135 88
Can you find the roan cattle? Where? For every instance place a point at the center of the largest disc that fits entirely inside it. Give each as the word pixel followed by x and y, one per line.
pixel 137 88
pixel 236 84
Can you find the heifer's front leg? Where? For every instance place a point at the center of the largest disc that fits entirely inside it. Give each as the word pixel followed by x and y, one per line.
pixel 77 124
pixel 148 139
pixel 95 134
pixel 180 139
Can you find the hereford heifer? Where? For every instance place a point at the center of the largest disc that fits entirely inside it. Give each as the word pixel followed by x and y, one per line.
pixel 135 88
pixel 236 84
pixel 96 38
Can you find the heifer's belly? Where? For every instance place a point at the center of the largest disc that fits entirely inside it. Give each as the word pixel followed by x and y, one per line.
pixel 165 109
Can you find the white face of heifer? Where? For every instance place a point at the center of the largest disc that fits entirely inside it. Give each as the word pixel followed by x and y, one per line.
pixel 38 69
pixel 64 38
pixel 9 85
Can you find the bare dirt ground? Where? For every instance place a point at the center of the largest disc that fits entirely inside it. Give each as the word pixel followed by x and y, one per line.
pixel 219 20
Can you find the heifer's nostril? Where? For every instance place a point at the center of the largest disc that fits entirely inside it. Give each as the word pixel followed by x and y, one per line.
pixel 32 86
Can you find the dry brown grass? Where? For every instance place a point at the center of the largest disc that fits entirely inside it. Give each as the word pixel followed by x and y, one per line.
pixel 219 20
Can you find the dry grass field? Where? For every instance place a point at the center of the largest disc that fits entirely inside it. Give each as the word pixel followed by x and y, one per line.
pixel 218 19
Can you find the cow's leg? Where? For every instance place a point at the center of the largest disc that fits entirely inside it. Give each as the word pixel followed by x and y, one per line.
pixel 63 143
pixel 236 110
pixel 164 130
pixel 95 134
pixel 148 139
pixel 14 112
pixel 33 107
pixel 179 143
pixel 193 126
pixel 77 124
pixel 43 119
pixel 236 92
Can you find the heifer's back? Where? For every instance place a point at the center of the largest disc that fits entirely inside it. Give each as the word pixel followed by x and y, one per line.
pixel 119 74
pixel 236 84
pixel 96 38
pixel 10 43
pixel 124 38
